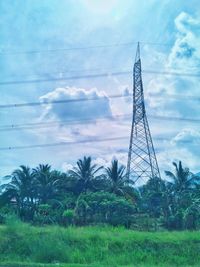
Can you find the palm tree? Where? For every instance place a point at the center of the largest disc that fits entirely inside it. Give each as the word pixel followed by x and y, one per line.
pixel 20 190
pixel 118 182
pixel 183 185
pixel 47 182
pixel 183 180
pixel 85 173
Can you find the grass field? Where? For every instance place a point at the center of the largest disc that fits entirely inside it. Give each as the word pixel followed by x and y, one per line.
pixel 24 245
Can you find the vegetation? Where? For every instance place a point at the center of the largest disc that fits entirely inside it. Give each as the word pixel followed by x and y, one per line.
pixel 116 216
pixel 25 245
pixel 90 195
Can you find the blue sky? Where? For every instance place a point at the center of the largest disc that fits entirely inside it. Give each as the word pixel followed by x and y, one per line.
pixel 58 24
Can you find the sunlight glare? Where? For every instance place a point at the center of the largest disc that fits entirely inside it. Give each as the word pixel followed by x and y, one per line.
pixel 100 6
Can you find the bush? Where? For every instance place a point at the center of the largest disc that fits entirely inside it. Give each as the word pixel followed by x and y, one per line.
pixel 175 222
pixel 5 213
pixel 101 207
pixel 68 216
pixel 191 218
pixel 45 214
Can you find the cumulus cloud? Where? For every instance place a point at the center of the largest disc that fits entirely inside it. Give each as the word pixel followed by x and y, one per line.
pixel 108 158
pixel 103 123
pixel 183 57
pixel 190 138
pixel 74 109
pixel 183 146
pixel 186 50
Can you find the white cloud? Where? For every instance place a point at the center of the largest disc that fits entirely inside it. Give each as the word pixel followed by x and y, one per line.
pixel 190 138
pixel 89 118
pixel 184 57
pixel 186 50
pixel 183 146
pixel 187 136
pixel 102 125
pixel 74 109
pixel 106 159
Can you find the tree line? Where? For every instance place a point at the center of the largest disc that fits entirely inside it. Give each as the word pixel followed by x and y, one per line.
pixel 90 195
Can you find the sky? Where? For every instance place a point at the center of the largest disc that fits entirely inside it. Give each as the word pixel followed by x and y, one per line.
pixel 68 41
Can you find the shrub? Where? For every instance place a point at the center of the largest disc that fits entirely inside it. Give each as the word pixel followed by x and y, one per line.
pixel 68 216
pixel 191 218
pixel 45 214
pixel 102 207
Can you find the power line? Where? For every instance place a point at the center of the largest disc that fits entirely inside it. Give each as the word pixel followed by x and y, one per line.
pixel 174 118
pixel 54 50
pixel 76 77
pixel 98 75
pixel 173 73
pixel 60 122
pixel 66 49
pixel 62 72
pixel 27 126
pixel 63 143
pixel 98 140
pixel 48 102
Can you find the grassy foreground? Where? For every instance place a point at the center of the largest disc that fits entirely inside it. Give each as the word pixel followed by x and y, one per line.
pixel 24 245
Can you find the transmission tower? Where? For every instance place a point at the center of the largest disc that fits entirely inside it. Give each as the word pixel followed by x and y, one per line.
pixel 142 163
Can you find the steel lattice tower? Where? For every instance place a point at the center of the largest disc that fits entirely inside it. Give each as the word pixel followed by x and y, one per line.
pixel 142 163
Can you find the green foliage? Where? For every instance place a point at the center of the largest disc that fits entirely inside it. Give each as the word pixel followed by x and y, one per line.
pixel 97 246
pixel 86 175
pixel 152 194
pixel 6 212
pixel 89 194
pixel 68 213
pixel 46 182
pixel 46 214
pixel 68 216
pixel 192 217
pixel 118 183
pixel 69 201
pixel 102 207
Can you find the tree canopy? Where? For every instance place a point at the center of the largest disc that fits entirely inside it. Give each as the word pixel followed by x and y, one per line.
pixel 91 194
